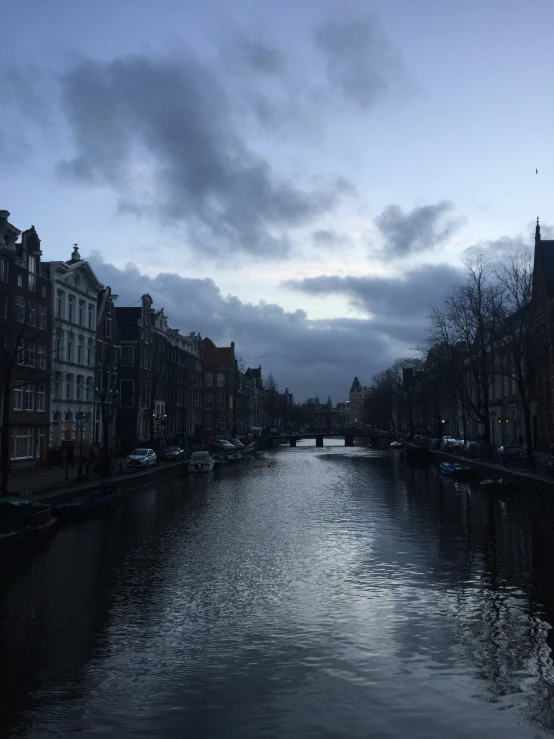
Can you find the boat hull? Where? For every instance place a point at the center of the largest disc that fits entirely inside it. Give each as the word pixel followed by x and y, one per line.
pixel 82 507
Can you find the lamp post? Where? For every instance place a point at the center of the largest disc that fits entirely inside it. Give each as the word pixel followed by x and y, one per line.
pixel 492 416
pixel 80 418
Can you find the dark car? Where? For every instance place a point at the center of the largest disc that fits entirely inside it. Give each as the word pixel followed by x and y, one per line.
pixel 237 443
pixel 173 454
pixel 222 446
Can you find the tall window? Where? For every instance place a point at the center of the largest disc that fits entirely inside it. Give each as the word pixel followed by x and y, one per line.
pixel 59 303
pixel 80 350
pixel 39 398
pixel 89 352
pixel 70 343
pixel 79 387
pixel 32 354
pixel 209 379
pixel 3 269
pixel 81 317
pixel 221 423
pixel 57 385
pixel 17 395
pixel 20 353
pixel 108 327
pixel 221 401
pixel 31 313
pixel 19 309
pixel 69 387
pixel 32 263
pixel 71 308
pixel 221 379
pixel 41 323
pixel 88 389
pixel 90 315
pixel 209 401
pixel 22 442
pixel 29 397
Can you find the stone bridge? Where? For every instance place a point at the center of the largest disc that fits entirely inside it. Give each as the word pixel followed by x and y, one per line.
pixel 374 438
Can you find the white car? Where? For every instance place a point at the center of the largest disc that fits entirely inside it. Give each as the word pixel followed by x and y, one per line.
pixel 142 458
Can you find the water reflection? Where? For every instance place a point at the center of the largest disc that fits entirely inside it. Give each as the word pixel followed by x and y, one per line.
pixel 328 592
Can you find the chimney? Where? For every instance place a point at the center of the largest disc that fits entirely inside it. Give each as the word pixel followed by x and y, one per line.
pixel 75 256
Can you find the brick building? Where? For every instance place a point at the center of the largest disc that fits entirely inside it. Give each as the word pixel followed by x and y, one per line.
pixel 219 388
pixel 25 335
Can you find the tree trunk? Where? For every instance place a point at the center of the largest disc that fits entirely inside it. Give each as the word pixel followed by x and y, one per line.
pixel 106 456
pixel 5 440
pixel 529 435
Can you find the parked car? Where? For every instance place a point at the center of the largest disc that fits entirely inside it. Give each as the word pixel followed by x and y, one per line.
pixel 223 446
pixel 173 453
pixel 237 443
pixel 142 458
pixel 447 441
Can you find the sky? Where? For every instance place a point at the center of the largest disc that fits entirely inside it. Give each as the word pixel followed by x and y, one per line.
pixel 303 177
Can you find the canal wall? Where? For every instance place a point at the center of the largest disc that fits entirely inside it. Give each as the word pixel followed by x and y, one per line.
pixel 128 481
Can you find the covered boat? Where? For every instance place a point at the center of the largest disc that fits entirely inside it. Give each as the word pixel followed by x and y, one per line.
pixel 20 517
pixel 453 469
pixel 96 500
pixel 200 462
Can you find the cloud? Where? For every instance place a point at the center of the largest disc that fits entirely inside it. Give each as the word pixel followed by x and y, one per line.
pixel 400 304
pixel 262 58
pixel 361 64
pixel 162 134
pixel 330 239
pixel 418 230
pixel 308 356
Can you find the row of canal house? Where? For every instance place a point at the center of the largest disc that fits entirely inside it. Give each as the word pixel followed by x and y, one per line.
pixel 79 369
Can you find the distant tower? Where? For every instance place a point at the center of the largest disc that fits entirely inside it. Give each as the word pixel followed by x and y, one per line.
pixel 356 386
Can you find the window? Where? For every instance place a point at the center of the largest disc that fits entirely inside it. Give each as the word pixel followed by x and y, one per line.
pixel 29 398
pixel 31 313
pixel 41 356
pixel 209 401
pixel 80 350
pixel 209 379
pixel 22 443
pixel 209 427
pixel 221 401
pixel 19 280
pixel 221 423
pixel 41 322
pixel 71 308
pixel 43 291
pixel 108 327
pixel 17 394
pixel 70 341
pixel 88 389
pixel 89 352
pixel 32 264
pixel 59 303
pixel 32 354
pixel 81 316
pixel 79 389
pixel 220 379
pixel 20 354
pixel 3 269
pixel 58 344
pixel 90 315
pixel 57 384
pixel 69 387
pixel 3 305
pixel 19 309
pixel 127 355
pixel 39 398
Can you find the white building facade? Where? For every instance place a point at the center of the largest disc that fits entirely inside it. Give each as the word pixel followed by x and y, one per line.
pixel 75 290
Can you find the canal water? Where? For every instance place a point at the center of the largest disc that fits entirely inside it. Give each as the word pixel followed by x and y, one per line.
pixel 308 593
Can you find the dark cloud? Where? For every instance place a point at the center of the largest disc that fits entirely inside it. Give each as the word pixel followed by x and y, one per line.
pixel 161 132
pixel 263 58
pixel 308 356
pixel 400 304
pixel 421 228
pixel 361 64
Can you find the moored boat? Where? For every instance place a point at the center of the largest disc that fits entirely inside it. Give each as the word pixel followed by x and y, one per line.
pixel 234 457
pixel 396 445
pixel 20 517
pixel 200 462
pixel 453 469
pixel 96 500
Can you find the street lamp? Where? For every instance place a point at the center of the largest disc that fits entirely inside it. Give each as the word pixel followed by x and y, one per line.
pixel 80 418
pixel 492 415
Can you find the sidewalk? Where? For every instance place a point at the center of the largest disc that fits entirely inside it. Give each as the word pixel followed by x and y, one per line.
pixel 31 482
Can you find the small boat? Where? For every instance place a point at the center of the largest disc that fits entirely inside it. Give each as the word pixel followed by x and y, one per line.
pixel 453 469
pixel 200 462
pixel 497 485
pixel 234 457
pixel 219 460
pixel 396 445
pixel 101 497
pixel 21 517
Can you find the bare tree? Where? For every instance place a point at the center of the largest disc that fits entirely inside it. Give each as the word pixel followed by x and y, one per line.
pixel 107 395
pixel 466 326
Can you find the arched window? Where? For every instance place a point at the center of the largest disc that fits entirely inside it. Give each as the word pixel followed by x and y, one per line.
pixel 69 387
pixel 70 346
pixel 79 388
pixel 89 352
pixel 80 349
